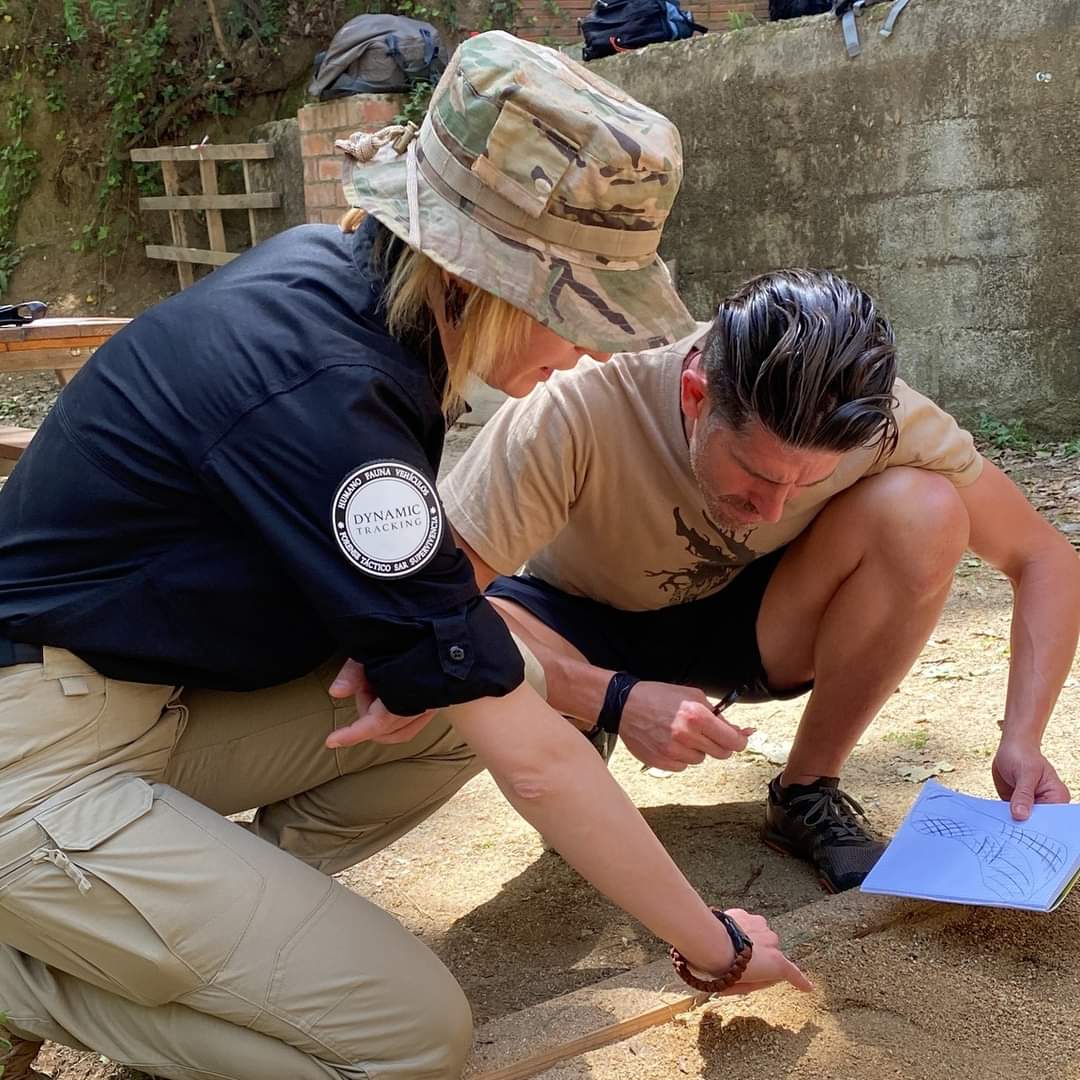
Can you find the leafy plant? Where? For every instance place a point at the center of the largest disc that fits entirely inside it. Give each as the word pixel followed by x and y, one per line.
pixel 73 24
pixel 416 104
pixel 136 44
pixel 502 15
pixel 262 19
pixel 1072 447
pixel 18 171
pixel 1002 434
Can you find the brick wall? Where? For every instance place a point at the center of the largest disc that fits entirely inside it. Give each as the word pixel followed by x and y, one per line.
pixel 543 21
pixel 320 125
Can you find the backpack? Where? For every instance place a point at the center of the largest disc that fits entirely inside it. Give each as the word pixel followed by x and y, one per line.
pixel 378 54
pixel 796 9
pixel 619 25
pixel 844 10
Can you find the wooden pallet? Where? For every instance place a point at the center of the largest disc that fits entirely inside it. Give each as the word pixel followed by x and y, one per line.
pixel 210 200
pixel 58 345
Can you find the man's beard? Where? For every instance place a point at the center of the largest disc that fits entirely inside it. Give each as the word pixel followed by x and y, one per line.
pixel 721 509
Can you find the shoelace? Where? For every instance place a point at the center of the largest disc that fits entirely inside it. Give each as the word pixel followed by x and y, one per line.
pixel 836 810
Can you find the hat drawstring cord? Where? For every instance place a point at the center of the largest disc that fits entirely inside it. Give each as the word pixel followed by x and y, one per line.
pixel 412 188
pixel 364 146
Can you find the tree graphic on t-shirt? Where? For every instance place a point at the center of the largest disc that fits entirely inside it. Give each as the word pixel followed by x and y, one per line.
pixel 717 562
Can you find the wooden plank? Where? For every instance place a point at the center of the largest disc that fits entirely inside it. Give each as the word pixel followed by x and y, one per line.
pixel 251 213
pixel 54 343
pixel 260 200
pixel 215 226
pixel 182 255
pixel 232 152
pixel 51 329
pixel 44 359
pixel 177 224
pixel 13 441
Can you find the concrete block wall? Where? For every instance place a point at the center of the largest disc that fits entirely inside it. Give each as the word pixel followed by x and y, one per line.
pixel 939 170
pixel 320 125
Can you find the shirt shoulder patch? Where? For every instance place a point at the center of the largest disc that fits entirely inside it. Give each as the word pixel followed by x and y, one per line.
pixel 387 519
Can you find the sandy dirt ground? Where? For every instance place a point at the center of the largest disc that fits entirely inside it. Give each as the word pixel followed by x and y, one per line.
pixel 993 996
pixel 959 994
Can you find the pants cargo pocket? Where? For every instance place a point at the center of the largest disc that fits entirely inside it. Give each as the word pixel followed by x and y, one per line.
pixel 118 888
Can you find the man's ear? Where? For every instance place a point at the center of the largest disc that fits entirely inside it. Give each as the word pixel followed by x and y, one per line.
pixel 694 392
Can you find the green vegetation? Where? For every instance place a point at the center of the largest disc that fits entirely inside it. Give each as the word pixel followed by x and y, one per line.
pixel 1002 434
pixel 910 740
pixel 128 73
pixel 992 433
pixel 105 76
pixel 18 171
pixel 416 104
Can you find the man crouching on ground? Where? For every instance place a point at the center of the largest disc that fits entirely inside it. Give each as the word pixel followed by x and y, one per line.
pixel 763 507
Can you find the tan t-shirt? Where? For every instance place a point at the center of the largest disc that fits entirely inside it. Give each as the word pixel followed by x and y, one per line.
pixel 587 482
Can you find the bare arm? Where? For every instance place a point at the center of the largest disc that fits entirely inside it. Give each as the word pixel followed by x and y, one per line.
pixel 1044 571
pixel 663 724
pixel 557 782
pixel 485 574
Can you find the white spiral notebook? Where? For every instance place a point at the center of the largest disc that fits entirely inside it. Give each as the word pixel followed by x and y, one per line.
pixel 963 850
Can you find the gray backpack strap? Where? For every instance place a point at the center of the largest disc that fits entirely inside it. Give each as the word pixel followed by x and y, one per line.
pixel 851 30
pixel 894 14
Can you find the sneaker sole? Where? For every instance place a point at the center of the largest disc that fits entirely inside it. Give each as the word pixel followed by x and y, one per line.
pixel 781 845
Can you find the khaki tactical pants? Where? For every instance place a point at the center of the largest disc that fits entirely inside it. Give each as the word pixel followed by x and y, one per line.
pixel 140 923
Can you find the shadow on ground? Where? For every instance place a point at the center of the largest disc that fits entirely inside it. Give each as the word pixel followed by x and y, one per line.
pixel 548 917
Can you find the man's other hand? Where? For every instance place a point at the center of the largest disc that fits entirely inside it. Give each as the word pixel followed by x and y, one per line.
pixel 375 722
pixel 1024 777
pixel 670 727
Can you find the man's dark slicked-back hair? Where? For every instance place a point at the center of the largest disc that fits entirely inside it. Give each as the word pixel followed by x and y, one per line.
pixel 809 356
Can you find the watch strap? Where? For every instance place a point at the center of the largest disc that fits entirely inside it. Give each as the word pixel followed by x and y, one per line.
pixel 744 950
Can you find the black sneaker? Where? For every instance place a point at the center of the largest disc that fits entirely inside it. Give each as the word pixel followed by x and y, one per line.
pixel 822 825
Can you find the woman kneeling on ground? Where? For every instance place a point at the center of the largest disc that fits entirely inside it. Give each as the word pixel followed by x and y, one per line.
pixel 234 496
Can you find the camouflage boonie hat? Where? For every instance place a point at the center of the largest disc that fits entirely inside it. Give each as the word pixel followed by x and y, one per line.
pixel 539 182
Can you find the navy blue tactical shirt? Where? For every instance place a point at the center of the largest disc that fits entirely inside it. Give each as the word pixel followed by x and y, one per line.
pixel 240 485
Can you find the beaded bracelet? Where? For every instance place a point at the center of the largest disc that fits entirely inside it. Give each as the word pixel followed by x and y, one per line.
pixel 744 950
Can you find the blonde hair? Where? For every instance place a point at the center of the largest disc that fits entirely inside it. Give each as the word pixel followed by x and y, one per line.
pixel 490 327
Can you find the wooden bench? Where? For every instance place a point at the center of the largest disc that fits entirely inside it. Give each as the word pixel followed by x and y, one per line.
pixel 58 345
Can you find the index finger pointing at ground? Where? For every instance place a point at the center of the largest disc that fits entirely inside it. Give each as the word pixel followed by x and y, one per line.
pixel 795 976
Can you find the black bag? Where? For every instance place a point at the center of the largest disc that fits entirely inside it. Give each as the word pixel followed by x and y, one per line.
pixel 619 25
pixel 796 9
pixel 844 10
pixel 378 54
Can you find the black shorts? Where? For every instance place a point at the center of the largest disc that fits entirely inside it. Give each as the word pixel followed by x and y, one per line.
pixel 711 644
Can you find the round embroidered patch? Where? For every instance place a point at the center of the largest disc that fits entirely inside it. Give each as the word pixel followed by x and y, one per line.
pixel 387 519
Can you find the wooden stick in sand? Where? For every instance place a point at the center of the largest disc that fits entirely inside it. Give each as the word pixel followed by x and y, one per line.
pixel 544 1059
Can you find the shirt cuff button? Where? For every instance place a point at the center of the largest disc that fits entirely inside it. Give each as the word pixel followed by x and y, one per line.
pixel 457 653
